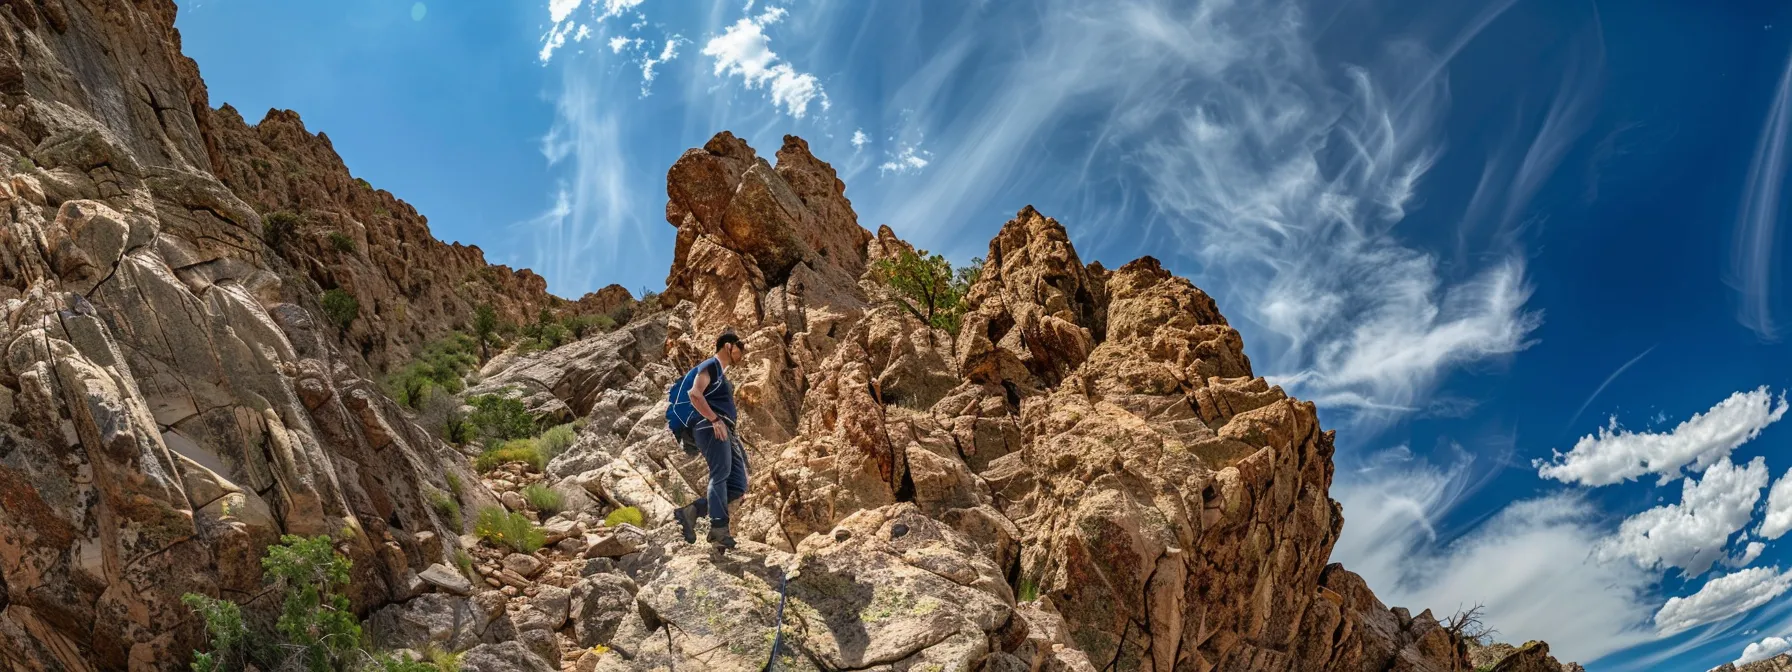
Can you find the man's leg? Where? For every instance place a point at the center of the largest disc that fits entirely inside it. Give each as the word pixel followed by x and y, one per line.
pixel 737 473
pixel 719 455
pixel 688 514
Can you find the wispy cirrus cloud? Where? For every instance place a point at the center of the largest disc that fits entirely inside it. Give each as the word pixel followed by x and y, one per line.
pixel 1284 174
pixel 1753 270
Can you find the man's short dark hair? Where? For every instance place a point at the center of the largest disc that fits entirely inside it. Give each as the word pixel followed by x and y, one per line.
pixel 729 337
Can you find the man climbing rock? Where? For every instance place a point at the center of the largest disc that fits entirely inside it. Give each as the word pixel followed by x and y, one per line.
pixel 702 415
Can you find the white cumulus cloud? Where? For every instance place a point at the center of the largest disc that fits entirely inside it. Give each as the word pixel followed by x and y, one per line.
pixel 859 139
pixel 1693 534
pixel 1766 648
pixel 617 7
pixel 909 160
pixel 744 50
pixel 1614 455
pixel 1722 598
pixel 1749 554
pixel 1779 509
pixel 558 10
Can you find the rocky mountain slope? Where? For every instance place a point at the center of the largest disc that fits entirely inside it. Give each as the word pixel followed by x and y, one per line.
pixel 1087 475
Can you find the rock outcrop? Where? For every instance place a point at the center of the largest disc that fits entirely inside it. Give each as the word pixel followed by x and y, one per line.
pixel 1779 663
pixel 1092 443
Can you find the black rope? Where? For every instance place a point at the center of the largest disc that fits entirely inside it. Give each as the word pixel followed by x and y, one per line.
pixel 771 663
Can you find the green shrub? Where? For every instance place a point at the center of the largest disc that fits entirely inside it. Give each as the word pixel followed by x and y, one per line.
pixel 454 485
pixel 24 164
pixel 926 286
pixel 315 631
pixel 498 418
pixel 442 367
pixel 278 229
pixel 363 183
pixel 588 325
pixel 527 451
pixel 510 530
pixel 340 308
pixel 392 662
pixel 1029 590
pixel 544 500
pixel 627 514
pixel 381 212
pixel 465 562
pixel 447 507
pixel 342 242
pixel 555 441
pixel 444 661
pixel 485 330
pixel 224 622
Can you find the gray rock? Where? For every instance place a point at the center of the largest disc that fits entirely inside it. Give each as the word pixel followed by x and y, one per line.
pixel 599 605
pixel 543 644
pixel 511 656
pixel 441 576
pixel 525 565
pixel 445 621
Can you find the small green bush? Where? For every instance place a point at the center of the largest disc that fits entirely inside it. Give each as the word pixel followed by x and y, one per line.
pixel 510 530
pixel 316 629
pixel 627 514
pixel 1029 590
pixel 443 660
pixel 465 562
pixel 363 183
pixel 544 500
pixel 447 507
pixel 527 451
pixel 340 308
pixel 454 485
pixel 278 229
pixel 499 418
pixel 442 367
pixel 555 441
pixel 224 622
pixel 342 242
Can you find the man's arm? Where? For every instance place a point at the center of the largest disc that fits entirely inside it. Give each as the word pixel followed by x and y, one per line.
pixel 695 394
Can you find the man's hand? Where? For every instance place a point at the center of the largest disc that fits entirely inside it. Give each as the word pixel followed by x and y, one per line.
pixel 721 429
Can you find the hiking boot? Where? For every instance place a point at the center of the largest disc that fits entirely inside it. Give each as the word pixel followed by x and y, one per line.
pixel 719 537
pixel 687 522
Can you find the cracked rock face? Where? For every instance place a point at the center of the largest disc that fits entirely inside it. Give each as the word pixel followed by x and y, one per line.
pixel 171 400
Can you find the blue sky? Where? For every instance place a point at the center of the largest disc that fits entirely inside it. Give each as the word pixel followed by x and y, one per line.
pixel 1476 234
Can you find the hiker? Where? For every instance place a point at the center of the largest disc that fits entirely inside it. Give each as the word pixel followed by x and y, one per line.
pixel 702 415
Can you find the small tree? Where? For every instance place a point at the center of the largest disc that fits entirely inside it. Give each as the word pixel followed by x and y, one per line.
pixel 1469 625
pixel 316 629
pixel 926 286
pixel 485 329
pixel 500 418
pixel 340 307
